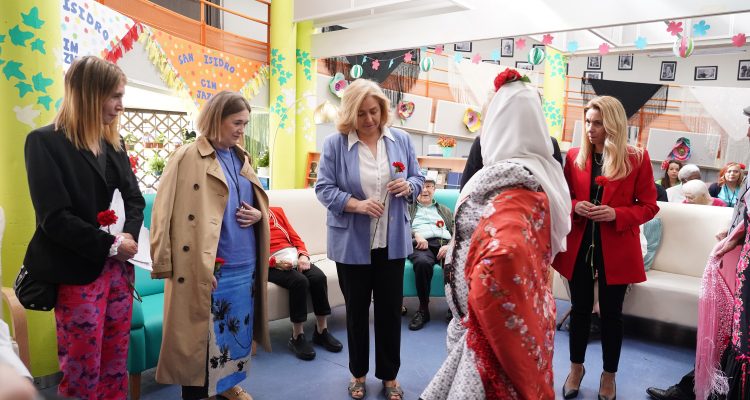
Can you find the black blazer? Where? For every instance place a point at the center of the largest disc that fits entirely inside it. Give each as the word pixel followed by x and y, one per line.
pixel 68 190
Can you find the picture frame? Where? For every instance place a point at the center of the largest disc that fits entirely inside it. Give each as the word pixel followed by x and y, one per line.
pixel 496 62
pixel 592 75
pixel 706 73
pixel 524 65
pixel 668 70
pixel 625 62
pixel 594 62
pixel 743 74
pixel 463 47
pixel 507 47
pixel 313 173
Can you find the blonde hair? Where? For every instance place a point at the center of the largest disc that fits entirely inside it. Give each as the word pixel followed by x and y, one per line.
pixel 354 95
pixel 616 148
pixel 218 107
pixel 88 83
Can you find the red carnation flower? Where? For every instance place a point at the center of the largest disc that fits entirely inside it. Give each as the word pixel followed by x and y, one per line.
pixel 217 264
pixel 742 166
pixel 219 261
pixel 106 217
pixel 440 224
pixel 399 166
pixel 134 163
pixel 272 261
pixel 509 75
pixel 601 181
pixel 664 165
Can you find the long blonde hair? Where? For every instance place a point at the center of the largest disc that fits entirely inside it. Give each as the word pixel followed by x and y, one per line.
pixel 88 83
pixel 616 149
pixel 353 97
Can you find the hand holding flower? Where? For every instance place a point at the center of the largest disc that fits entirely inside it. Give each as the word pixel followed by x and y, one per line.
pixel 371 207
pixel 398 187
pixel 602 213
pixel 127 249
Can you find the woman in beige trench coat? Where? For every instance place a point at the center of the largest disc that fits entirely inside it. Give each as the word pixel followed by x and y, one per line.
pixel 210 204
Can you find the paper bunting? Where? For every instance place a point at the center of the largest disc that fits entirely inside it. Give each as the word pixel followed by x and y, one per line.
pixel 520 43
pixel 739 40
pixel 407 57
pixel 604 49
pixel 439 49
pixel 495 56
pixel 457 58
pixel 376 64
pixel 547 39
pixel 701 28
pixel 125 44
pixel 472 119
pixel 640 43
pixel 674 28
pixel 572 46
pixel 476 58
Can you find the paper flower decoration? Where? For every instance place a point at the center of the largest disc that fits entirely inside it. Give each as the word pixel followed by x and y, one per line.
pixel 375 64
pixel 675 28
pixel 439 49
pixel 604 49
pixel 472 119
pixel 536 56
pixel 407 57
pixel 338 84
pixel 739 40
pixel 426 64
pixel 701 28
pixel 547 39
pixel 572 46
pixel 356 71
pixel 681 150
pixel 405 109
pixel 476 58
pixel 520 43
pixel 640 43
pixel 683 47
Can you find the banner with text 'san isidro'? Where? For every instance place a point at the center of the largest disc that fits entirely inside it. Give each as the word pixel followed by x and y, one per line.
pixel 91 29
pixel 206 71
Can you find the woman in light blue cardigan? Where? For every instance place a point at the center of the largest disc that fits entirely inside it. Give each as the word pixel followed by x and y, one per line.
pixel 367 174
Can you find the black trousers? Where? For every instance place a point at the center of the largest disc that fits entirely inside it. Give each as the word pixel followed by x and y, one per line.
pixel 423 262
pixel 298 284
pixel 611 298
pixel 383 282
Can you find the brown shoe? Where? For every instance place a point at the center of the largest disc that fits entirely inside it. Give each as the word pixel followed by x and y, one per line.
pixel 236 393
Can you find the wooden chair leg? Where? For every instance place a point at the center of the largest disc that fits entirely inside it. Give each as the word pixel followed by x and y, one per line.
pixel 254 349
pixel 135 386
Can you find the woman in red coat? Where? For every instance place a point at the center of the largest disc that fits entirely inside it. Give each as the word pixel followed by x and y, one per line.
pixel 612 188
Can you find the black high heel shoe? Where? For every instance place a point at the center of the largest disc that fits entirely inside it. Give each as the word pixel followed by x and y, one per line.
pixel 601 397
pixel 572 393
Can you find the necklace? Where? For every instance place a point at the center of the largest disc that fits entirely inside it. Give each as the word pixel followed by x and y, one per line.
pixel 601 157
pixel 234 175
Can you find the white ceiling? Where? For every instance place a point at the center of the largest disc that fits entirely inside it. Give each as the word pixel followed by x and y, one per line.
pixel 379 25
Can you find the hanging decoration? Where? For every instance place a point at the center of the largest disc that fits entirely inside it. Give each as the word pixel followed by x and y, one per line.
pixel 405 109
pixel 356 71
pixel 337 84
pixel 472 119
pixel 426 64
pixel 536 55
pixel 701 28
pixel 604 49
pixel 439 49
pixel 572 46
pixel 520 43
pixel 547 39
pixel 683 47
pixel 674 28
pixel 739 40
pixel 114 53
pixel 640 43
pixel 681 150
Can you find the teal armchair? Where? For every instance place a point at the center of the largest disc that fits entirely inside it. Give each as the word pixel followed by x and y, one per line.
pixel 146 325
pixel 448 198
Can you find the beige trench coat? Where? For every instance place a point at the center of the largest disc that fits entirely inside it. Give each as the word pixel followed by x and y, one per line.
pixel 185 228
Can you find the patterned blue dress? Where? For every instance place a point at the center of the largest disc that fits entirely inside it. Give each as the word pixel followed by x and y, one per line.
pixel 231 335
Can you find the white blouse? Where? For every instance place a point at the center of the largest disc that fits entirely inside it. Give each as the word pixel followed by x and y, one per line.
pixel 374 175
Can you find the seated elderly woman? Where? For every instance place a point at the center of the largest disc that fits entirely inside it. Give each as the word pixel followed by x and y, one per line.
pixel 687 173
pixel 696 192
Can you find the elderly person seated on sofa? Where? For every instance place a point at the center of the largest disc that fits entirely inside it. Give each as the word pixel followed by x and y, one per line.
pixel 291 269
pixel 687 173
pixel 431 227
pixel 696 192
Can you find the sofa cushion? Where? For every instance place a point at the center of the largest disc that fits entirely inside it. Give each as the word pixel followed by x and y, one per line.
pixel 437 285
pixel 145 285
pixel 688 236
pixel 153 310
pixel 666 297
pixel 652 232
pixel 305 213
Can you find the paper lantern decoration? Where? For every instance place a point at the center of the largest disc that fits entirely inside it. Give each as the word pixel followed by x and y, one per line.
pixel 536 56
pixel 472 119
pixel 426 64
pixel 683 47
pixel 338 84
pixel 356 71
pixel 405 109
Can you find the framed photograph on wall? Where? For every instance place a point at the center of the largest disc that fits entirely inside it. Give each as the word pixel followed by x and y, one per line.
pixel 625 62
pixel 743 70
pixel 506 47
pixel 464 47
pixel 592 75
pixel 524 65
pixel 594 62
pixel 706 73
pixel 668 70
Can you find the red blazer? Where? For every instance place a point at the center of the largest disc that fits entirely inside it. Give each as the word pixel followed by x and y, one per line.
pixel 634 201
pixel 282 233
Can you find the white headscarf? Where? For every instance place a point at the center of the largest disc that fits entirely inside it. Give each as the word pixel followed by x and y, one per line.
pixel 514 130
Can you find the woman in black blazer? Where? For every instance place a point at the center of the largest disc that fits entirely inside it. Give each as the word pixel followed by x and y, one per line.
pixel 74 167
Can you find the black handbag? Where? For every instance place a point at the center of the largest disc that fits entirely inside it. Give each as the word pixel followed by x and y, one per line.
pixel 33 294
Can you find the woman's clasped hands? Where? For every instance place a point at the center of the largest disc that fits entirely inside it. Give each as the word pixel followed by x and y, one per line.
pixel 247 215
pixel 601 213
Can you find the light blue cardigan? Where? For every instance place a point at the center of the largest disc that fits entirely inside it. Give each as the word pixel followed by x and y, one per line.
pixel 338 180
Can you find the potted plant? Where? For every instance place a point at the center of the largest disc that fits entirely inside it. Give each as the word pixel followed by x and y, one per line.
pixel 447 144
pixel 156 165
pixel 263 162
pixel 130 140
pixel 157 141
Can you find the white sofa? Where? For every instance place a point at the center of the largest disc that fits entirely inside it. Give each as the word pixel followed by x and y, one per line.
pixel 308 217
pixel 670 293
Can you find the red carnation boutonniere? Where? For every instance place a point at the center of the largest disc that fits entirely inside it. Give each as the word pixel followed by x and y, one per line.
pixel 601 181
pixel 440 223
pixel 398 166
pixel 217 264
pixel 509 75
pixel 272 262
pixel 106 218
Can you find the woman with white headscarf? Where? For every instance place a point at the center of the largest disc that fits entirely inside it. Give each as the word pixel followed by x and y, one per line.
pixel 511 219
